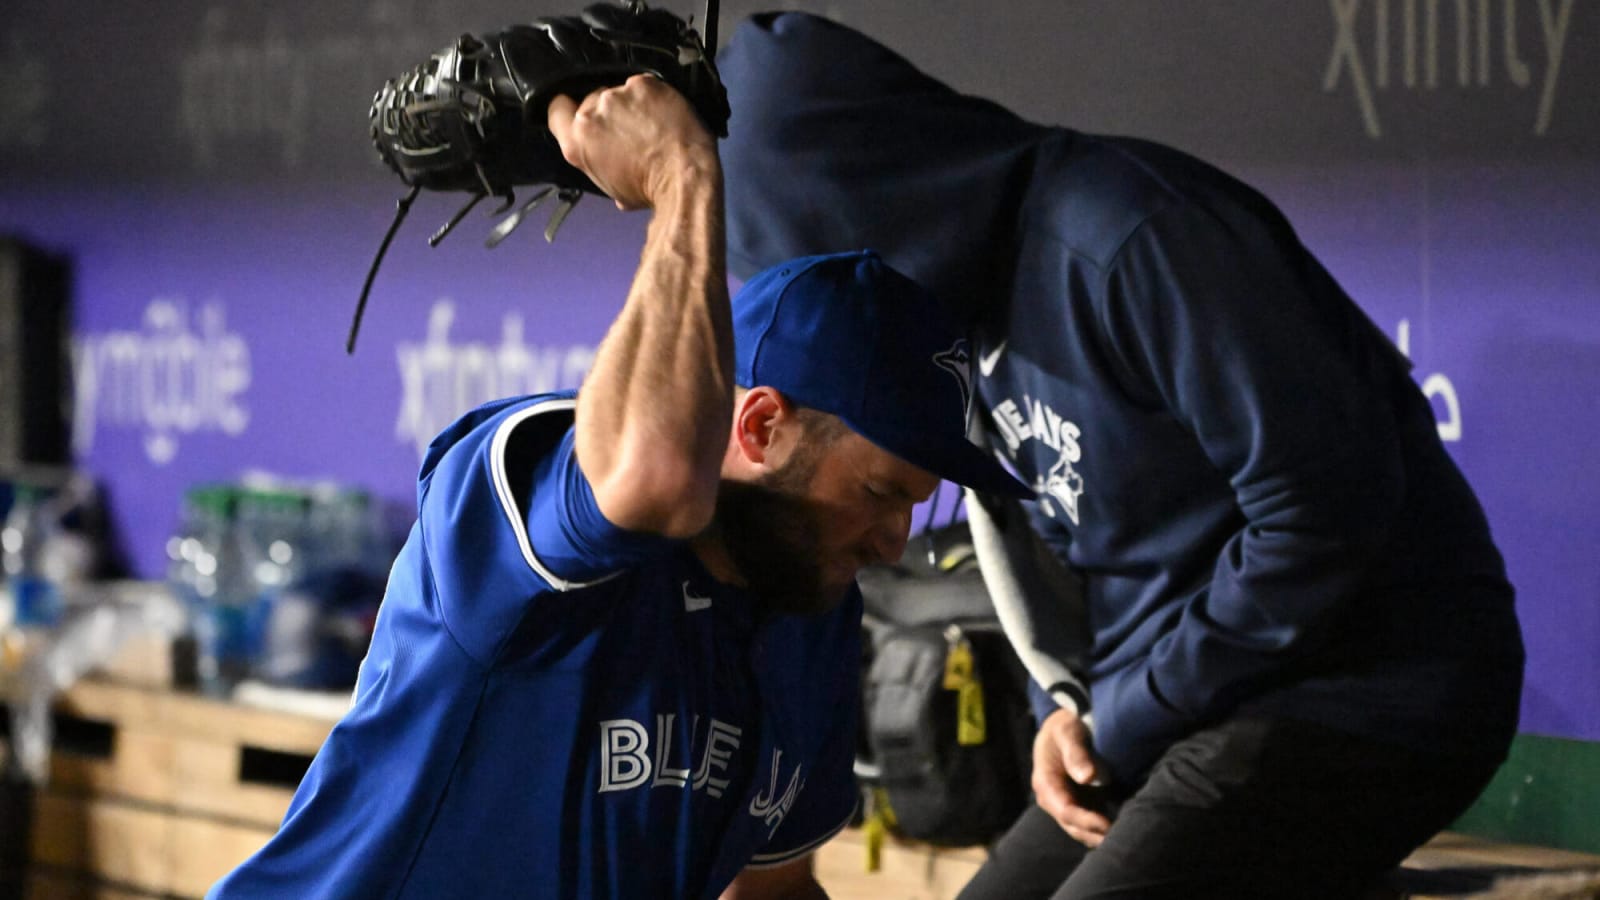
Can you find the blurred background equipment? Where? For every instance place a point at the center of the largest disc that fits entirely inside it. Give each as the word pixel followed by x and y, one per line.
pixel 34 357
pixel 946 738
pixel 143 716
pixel 281 582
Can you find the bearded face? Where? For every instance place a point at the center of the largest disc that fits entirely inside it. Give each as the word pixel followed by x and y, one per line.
pixel 774 533
pixel 799 534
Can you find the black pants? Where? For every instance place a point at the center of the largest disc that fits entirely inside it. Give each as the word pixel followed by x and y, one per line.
pixel 1252 808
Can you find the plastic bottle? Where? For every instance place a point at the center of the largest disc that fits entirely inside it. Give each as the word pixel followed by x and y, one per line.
pixel 377 543
pixel 358 531
pixel 276 517
pixel 184 546
pixel 225 593
pixel 317 628
pixel 35 600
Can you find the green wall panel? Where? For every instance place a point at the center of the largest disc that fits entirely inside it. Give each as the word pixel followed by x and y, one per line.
pixel 1547 794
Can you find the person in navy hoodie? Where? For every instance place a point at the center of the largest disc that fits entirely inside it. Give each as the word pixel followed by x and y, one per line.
pixel 619 654
pixel 1303 656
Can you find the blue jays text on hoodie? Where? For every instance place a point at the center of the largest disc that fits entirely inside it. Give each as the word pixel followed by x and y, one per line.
pixel 1230 453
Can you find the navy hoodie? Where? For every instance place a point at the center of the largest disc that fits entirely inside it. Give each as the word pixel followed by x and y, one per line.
pixel 1231 454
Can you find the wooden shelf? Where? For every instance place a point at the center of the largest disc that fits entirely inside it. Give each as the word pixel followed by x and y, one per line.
pixel 906 871
pixel 160 792
pixel 157 793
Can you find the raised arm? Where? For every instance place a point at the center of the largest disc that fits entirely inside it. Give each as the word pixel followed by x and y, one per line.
pixel 654 413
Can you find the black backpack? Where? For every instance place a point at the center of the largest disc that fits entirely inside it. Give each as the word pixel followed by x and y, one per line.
pixel 947 733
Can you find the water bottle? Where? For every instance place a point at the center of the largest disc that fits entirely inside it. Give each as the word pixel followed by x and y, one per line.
pixel 275 517
pixel 35 600
pixel 318 626
pixel 357 531
pixel 184 546
pixel 226 593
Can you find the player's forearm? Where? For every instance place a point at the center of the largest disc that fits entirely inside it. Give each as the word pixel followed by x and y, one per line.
pixel 653 414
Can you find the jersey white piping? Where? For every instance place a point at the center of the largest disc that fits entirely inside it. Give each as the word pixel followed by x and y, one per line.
pixel 508 503
pixel 770 860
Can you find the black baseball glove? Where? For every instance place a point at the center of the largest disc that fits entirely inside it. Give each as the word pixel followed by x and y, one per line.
pixel 472 117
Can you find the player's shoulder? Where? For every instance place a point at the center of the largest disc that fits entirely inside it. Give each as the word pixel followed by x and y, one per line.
pixel 492 425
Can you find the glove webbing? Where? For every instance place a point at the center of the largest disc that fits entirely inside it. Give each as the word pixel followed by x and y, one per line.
pixel 417 117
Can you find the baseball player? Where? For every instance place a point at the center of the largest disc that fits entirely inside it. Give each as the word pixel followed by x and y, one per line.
pixel 618 654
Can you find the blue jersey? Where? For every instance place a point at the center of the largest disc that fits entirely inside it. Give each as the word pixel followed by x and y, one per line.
pixel 555 707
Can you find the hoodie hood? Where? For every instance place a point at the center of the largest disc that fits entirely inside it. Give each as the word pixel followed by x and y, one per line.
pixel 837 142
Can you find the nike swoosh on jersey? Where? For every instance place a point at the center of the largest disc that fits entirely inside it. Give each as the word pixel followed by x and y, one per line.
pixel 988 361
pixel 691 603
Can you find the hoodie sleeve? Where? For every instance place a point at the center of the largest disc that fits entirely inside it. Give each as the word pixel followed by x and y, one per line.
pixel 1236 330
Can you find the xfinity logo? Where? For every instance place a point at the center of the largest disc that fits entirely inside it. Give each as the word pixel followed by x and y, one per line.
pixel 248 81
pixel 1421 45
pixel 440 380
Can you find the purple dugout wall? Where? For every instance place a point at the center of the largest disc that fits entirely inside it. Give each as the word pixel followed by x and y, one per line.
pixel 205 168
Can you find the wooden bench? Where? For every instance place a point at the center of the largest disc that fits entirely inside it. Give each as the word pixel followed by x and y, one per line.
pixel 156 793
pixel 1451 865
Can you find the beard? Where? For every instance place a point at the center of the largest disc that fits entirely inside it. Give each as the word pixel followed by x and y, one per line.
pixel 774 536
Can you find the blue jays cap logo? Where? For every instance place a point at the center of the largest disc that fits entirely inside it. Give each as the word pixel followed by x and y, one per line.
pixel 958 362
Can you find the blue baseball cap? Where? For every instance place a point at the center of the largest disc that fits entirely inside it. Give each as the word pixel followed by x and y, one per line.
pixel 846 334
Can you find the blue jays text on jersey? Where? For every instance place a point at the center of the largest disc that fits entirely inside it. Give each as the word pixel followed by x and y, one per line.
pixel 553 707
